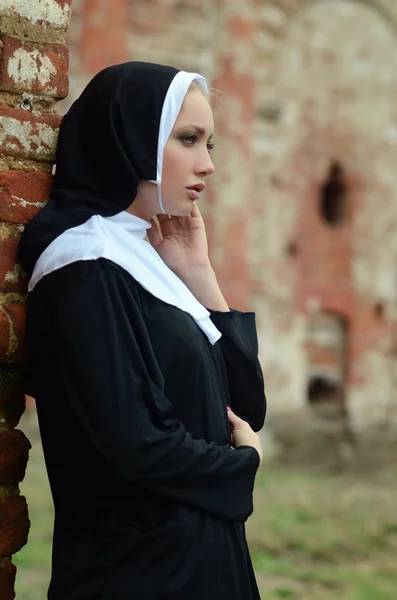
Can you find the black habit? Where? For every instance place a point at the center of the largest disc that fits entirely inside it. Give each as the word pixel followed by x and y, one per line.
pixel 150 498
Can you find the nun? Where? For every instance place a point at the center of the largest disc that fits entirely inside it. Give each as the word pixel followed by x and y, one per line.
pixel 148 387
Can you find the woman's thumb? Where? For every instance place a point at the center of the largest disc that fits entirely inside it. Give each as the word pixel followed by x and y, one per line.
pixel 234 419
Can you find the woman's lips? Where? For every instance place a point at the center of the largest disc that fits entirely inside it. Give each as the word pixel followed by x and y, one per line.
pixel 193 194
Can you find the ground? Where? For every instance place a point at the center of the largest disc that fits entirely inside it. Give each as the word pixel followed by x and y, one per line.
pixel 313 535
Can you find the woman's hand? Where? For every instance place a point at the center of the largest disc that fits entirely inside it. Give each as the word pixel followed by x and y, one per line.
pixel 182 244
pixel 180 241
pixel 243 435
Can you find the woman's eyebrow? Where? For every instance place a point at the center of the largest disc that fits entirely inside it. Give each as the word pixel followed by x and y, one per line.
pixel 198 128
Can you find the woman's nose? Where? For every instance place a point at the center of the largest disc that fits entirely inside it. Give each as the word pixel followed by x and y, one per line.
pixel 206 167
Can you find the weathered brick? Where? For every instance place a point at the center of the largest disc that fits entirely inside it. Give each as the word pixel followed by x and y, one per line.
pixel 14 451
pixel 34 68
pixel 12 398
pixel 7 579
pixel 22 195
pixel 13 278
pixel 34 65
pixel 54 13
pixel 14 524
pixel 28 136
pixel 12 333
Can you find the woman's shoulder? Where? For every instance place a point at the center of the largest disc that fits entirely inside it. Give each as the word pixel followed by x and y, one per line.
pixel 62 281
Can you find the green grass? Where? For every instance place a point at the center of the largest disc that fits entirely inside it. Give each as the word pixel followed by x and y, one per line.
pixel 315 536
pixel 312 536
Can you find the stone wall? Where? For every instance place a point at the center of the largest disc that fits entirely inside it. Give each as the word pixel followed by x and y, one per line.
pixel 33 75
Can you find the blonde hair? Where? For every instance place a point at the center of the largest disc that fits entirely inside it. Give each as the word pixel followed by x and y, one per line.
pixel 209 94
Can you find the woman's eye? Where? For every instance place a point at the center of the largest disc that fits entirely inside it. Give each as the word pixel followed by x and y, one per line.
pixel 189 139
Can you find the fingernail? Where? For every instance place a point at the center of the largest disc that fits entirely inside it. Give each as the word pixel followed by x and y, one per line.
pixel 228 407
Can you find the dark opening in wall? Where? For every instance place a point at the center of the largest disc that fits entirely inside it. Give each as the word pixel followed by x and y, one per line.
pixel 326 398
pixel 333 195
pixel 379 310
pixel 271 112
pixel 321 389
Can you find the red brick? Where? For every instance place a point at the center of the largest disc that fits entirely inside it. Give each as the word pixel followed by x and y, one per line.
pixel 12 397
pixel 63 3
pixel 55 13
pixel 35 68
pixel 12 333
pixel 23 194
pixel 12 277
pixel 14 525
pixel 7 579
pixel 28 136
pixel 14 451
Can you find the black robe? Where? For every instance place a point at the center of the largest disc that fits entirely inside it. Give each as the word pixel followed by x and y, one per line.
pixel 150 499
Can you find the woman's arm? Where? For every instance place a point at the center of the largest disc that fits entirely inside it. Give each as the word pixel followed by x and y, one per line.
pixel 203 284
pixel 115 387
pixel 239 343
pixel 182 244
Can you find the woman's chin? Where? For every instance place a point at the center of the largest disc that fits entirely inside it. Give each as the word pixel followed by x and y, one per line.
pixel 182 211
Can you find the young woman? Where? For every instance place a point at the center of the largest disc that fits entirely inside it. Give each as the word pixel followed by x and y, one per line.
pixel 135 356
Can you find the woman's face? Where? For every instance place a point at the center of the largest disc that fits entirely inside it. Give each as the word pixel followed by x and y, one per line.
pixel 186 162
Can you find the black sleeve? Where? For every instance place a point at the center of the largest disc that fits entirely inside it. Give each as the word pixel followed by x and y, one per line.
pixel 115 387
pixel 239 343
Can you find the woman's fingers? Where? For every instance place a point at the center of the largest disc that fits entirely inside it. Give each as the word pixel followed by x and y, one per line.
pixel 196 212
pixel 154 234
pixel 243 434
pixel 233 419
pixel 162 218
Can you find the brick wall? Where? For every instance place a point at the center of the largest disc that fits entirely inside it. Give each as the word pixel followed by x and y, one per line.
pixel 300 80
pixel 306 85
pixel 33 75
pixel 326 76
